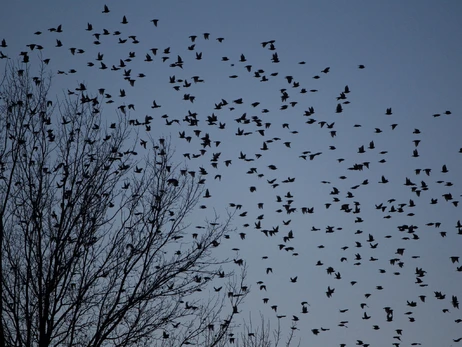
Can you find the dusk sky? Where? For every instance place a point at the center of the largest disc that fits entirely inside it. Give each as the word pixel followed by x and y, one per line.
pixel 398 55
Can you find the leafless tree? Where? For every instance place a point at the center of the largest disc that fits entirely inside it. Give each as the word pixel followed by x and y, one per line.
pixel 95 246
pixel 262 335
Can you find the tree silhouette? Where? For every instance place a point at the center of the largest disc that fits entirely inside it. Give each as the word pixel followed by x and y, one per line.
pixel 96 249
pixel 262 335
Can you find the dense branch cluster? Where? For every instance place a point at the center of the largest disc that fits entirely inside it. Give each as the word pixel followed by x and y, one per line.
pixel 94 243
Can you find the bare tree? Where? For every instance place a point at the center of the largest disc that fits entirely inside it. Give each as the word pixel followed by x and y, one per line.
pixel 95 248
pixel 262 335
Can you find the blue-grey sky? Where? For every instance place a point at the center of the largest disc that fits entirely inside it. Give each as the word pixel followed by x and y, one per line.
pixel 411 52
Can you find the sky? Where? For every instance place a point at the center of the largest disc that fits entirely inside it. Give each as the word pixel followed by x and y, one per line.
pixel 411 54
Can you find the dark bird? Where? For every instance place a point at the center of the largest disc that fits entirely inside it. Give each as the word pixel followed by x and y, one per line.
pixel 330 291
pixel 455 302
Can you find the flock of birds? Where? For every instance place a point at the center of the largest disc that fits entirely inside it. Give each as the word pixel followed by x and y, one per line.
pixel 202 133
